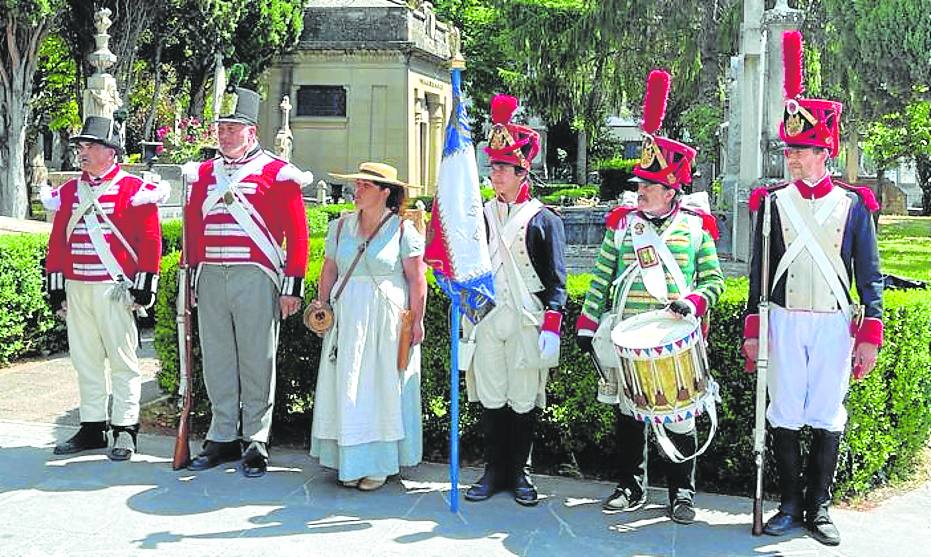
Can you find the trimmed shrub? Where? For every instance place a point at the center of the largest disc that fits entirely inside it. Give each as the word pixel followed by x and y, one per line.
pixel 615 175
pixel 27 325
pixel 569 196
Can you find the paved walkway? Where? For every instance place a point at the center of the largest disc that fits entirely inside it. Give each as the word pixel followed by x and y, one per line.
pixel 87 505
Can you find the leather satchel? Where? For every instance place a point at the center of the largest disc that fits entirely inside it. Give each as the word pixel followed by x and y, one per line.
pixel 405 338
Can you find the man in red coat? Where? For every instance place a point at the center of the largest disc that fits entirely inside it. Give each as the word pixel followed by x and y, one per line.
pixel 102 265
pixel 244 206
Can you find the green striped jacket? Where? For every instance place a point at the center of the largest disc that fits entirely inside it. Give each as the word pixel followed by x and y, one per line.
pixel 700 267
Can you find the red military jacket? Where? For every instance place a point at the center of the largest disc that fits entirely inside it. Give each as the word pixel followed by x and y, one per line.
pixel 274 190
pixel 131 205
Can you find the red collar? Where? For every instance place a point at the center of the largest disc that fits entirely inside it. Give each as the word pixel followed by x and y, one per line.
pixel 816 191
pixel 523 194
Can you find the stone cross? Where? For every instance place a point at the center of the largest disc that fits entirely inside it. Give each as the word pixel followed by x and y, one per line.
pixel 285 107
pixel 284 139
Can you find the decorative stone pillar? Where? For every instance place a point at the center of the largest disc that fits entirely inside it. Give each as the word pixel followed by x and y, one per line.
pixel 420 153
pixel 101 97
pixel 437 121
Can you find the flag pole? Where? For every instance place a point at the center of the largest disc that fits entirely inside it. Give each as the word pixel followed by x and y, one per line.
pixel 454 404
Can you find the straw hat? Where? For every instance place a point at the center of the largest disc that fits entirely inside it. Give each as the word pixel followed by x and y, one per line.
pixel 375 172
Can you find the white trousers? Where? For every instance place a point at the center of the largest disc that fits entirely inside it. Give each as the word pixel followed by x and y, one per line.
pixel 505 364
pixel 101 331
pixel 809 369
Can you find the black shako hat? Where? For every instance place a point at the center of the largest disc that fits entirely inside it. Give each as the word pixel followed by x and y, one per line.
pixel 239 105
pixel 99 129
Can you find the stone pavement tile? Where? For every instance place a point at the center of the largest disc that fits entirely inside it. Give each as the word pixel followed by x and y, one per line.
pixel 87 505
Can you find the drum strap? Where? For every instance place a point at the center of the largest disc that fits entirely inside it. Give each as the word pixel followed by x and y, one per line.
pixel 711 398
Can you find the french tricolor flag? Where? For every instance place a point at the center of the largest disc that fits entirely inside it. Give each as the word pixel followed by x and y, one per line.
pixel 457 248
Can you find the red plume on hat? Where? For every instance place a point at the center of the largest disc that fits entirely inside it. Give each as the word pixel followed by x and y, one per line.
pixel 662 160
pixel 805 122
pixel 654 101
pixel 502 108
pixel 792 64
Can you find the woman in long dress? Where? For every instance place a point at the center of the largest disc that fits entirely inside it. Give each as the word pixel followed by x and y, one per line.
pixel 367 414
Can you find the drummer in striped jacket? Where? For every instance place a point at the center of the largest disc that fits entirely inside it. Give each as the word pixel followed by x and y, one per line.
pixel 633 274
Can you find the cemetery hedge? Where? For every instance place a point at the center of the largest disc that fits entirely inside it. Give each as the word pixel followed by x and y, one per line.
pixel 27 325
pixel 890 421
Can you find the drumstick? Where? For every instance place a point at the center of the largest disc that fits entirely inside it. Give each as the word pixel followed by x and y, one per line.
pixel 598 368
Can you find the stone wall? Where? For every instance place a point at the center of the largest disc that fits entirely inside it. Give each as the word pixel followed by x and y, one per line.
pixel 373 24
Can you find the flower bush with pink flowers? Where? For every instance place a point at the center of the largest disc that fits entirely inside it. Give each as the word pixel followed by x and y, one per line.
pixel 186 141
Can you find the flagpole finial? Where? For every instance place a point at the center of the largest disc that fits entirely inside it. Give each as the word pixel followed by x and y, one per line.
pixel 457 61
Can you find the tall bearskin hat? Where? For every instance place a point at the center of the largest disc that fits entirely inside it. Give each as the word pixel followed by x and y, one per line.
pixel 509 142
pixel 805 122
pixel 662 160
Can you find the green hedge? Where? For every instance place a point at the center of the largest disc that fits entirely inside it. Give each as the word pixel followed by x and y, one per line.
pixel 27 325
pixel 568 196
pixel 890 419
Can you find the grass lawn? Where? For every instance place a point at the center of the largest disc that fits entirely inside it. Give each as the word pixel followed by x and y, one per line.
pixel 905 246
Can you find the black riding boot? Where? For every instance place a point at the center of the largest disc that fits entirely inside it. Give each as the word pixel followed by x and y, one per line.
pixel 124 441
pixel 92 435
pixel 788 456
pixel 495 430
pixel 681 478
pixel 822 461
pixel 524 491
pixel 631 442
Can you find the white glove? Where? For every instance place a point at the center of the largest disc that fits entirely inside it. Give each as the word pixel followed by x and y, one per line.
pixel 549 346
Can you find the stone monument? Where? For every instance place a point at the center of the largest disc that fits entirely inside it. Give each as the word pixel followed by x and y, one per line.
pixel 755 100
pixel 101 97
pixel 284 139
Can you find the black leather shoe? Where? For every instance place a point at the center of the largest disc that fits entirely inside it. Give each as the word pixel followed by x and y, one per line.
pixel 525 493
pixel 124 442
pixel 216 453
pixel 625 499
pixel 822 528
pixel 255 460
pixel 484 488
pixel 781 523
pixel 92 435
pixel 682 511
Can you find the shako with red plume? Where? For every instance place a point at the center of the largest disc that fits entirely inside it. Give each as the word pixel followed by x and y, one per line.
pixel 805 122
pixel 662 160
pixel 508 142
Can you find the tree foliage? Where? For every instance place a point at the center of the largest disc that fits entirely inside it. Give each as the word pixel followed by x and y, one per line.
pixel 905 136
pixel 54 104
pixel 874 53
pixel 23 25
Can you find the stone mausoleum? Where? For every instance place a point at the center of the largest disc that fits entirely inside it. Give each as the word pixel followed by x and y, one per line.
pixel 368 81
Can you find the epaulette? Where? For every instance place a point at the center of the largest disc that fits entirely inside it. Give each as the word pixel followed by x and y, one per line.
pixel 865 193
pixel 615 216
pixel 708 221
pixel 757 195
